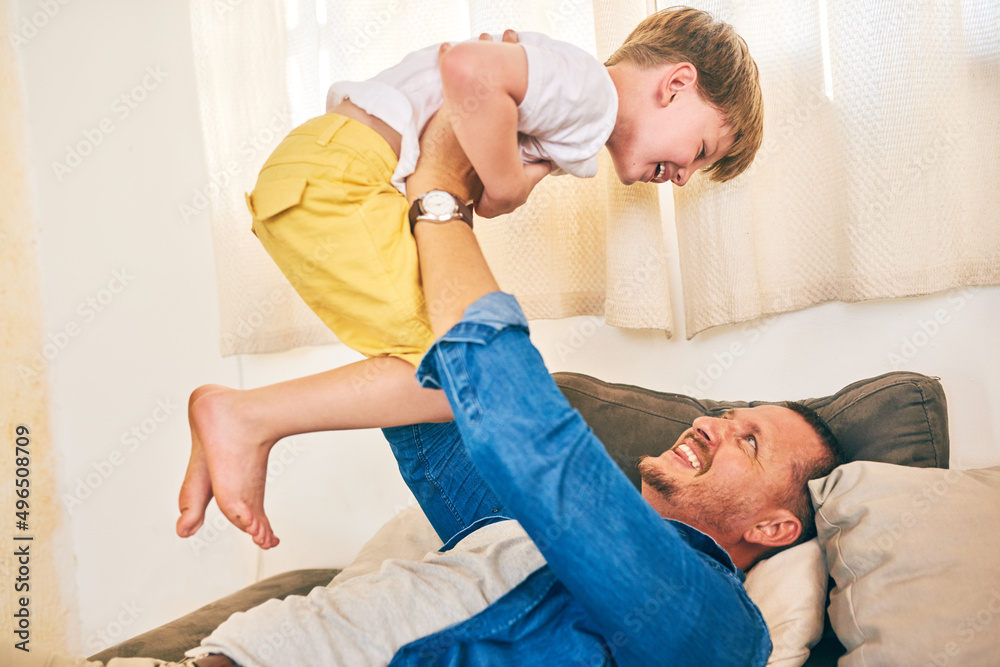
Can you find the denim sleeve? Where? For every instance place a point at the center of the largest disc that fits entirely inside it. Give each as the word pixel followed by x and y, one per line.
pixel 436 467
pixel 654 597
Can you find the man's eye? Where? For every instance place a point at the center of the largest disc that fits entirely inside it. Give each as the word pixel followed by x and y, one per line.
pixel 752 439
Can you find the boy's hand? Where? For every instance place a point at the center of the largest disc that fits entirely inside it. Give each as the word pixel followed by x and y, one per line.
pixel 488 207
pixel 509 36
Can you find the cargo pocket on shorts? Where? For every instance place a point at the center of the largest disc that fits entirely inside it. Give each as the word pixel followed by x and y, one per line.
pixel 276 197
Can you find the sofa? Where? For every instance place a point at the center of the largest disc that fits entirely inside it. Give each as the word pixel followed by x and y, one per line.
pixel 868 590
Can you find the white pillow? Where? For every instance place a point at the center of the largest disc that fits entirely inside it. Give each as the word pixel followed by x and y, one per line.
pixel 915 554
pixel 789 588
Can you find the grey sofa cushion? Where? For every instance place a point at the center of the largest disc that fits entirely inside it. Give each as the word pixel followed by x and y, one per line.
pixel 898 417
pixel 170 641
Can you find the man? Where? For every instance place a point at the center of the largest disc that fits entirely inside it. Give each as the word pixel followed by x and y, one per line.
pixel 618 583
pixel 589 573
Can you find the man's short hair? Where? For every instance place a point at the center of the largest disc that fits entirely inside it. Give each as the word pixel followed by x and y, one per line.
pixel 727 76
pixel 797 499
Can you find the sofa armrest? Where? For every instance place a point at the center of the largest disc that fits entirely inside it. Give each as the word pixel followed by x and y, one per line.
pixel 170 641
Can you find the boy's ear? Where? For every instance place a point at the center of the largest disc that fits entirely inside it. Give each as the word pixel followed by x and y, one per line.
pixel 779 529
pixel 676 77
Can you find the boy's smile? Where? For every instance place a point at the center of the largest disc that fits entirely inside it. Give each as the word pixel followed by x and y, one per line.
pixel 665 131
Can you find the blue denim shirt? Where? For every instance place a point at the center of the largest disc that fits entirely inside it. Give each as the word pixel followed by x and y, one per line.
pixel 621 585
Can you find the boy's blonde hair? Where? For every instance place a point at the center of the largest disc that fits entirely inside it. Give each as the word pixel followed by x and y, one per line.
pixel 727 75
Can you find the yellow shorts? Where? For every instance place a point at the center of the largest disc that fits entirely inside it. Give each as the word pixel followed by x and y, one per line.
pixel 325 210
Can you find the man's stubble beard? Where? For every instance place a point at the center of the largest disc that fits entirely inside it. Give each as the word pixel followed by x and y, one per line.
pixel 713 512
pixel 656 479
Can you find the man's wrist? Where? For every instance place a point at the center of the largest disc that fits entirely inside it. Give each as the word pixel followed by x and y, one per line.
pixel 439 206
pixel 431 178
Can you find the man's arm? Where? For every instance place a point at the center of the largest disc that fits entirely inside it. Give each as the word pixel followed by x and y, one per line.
pixel 443 165
pixel 453 270
pixel 651 594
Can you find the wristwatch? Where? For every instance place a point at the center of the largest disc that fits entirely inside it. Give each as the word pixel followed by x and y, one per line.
pixel 438 206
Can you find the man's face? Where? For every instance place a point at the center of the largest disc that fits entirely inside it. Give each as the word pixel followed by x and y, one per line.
pixel 725 472
pixel 668 139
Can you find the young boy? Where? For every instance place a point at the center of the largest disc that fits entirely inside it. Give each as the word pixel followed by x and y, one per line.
pixel 681 94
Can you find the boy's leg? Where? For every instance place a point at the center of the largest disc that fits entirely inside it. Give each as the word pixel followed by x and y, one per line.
pixel 233 431
pixel 324 208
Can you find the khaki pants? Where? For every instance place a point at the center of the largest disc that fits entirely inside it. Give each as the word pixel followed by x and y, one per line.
pixel 326 211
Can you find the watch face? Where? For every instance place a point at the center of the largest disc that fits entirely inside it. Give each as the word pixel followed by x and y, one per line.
pixel 439 203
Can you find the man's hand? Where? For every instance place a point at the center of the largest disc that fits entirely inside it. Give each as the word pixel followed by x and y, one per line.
pixel 443 164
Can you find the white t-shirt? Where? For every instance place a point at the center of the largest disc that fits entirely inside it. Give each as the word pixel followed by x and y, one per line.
pixel 566 116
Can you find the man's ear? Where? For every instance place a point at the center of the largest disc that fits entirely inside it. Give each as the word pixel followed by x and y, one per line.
pixel 676 78
pixel 779 529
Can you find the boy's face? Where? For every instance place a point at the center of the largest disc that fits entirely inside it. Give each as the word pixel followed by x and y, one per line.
pixel 668 134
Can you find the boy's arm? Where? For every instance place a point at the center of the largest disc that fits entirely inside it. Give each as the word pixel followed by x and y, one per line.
pixel 483 82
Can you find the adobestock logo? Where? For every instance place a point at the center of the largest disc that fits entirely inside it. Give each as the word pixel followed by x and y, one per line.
pixel 114 631
pixel 927 330
pixel 31 24
pixel 131 439
pixel 87 310
pixel 122 107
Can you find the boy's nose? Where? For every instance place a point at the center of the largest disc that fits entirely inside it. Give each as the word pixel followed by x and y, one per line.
pixel 682 176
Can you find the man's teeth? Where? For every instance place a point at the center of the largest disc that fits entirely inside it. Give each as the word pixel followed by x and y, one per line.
pixel 686 451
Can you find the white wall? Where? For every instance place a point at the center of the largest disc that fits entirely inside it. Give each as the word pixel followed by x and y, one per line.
pixel 130 359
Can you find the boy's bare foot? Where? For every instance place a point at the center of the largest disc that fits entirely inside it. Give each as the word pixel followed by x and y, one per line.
pixel 196 490
pixel 228 460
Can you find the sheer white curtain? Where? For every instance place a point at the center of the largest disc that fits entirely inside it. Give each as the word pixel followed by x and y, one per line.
pixel 578 247
pixel 880 170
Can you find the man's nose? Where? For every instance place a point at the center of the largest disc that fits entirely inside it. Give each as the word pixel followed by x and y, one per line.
pixel 711 429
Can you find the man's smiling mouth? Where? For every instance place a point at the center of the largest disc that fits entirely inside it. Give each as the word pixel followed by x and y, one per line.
pixel 687 452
